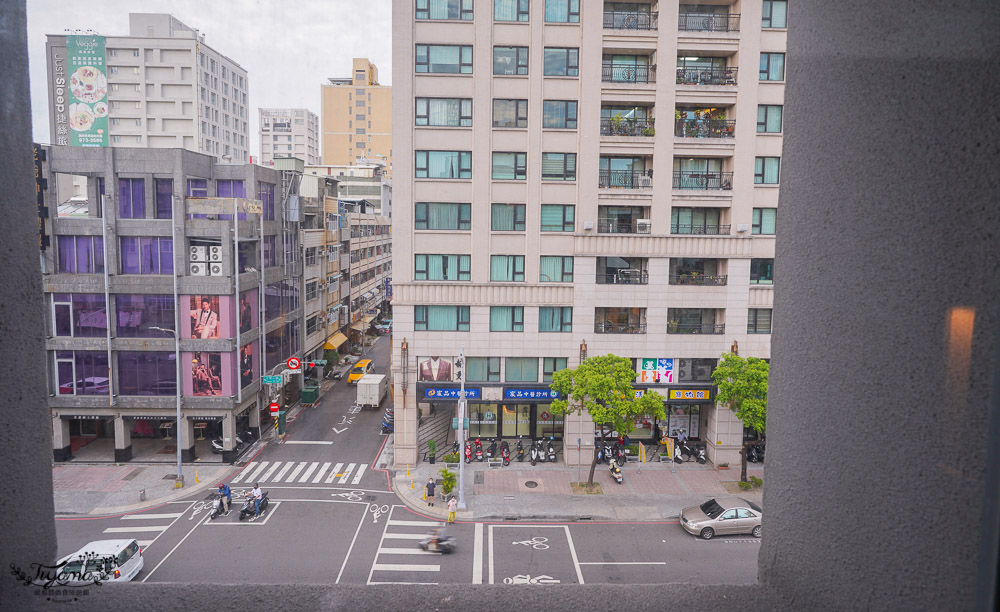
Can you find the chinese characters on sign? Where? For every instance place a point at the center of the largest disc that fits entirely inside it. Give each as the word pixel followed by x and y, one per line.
pixel 450 393
pixel 689 394
pixel 530 394
pixel 88 93
pixel 41 184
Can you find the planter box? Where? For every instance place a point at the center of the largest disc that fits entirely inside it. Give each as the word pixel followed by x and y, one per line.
pixel 723 467
pixel 452 466
pixel 494 463
pixel 632 459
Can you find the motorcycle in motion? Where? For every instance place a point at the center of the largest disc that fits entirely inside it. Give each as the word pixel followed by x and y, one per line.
pixel 248 509
pixel 505 452
pixel 437 541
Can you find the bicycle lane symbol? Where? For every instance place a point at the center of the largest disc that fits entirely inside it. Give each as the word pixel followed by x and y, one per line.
pixel 537 542
pixel 536 558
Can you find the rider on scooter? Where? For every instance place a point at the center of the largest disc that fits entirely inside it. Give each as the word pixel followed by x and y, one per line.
pixel 257 495
pixel 227 496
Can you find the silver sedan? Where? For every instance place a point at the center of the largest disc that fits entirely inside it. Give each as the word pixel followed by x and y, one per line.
pixel 722 516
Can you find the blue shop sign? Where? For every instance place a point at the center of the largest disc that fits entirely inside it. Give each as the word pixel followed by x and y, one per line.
pixel 542 394
pixel 430 393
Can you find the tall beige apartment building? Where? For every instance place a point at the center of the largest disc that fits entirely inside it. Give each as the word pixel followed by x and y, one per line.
pixel 577 179
pixel 357 118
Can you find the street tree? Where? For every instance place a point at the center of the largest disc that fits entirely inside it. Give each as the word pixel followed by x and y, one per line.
pixel 742 385
pixel 602 386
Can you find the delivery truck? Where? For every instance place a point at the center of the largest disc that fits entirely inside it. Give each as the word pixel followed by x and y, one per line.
pixel 372 389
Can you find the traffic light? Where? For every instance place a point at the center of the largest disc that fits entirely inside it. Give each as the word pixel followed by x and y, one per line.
pixel 312 364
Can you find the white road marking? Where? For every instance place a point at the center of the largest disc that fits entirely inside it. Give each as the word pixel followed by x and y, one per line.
pixel 176 546
pixel 339 431
pixel 323 442
pixel 144 547
pixel 404 551
pixel 284 470
pixel 622 563
pixel 416 523
pixel 491 554
pixel 250 466
pixel 351 547
pixel 144 543
pixel 347 473
pixel 334 473
pixel 295 472
pixel 151 516
pixel 385 526
pixel 136 528
pixel 268 473
pixel 361 470
pixel 386 582
pixel 403 567
pixel 260 468
pixel 272 506
pixel 407 536
pixel 312 468
pixel 572 551
pixel 477 556
pixel 322 470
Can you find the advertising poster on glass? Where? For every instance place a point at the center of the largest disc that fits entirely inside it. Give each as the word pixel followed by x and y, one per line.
pixel 684 417
pixel 435 369
pixel 656 371
pixel 208 374
pixel 88 92
pixel 206 317
pixel 247 309
pixel 248 364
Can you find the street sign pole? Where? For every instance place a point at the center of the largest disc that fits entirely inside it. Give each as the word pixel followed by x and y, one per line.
pixel 461 434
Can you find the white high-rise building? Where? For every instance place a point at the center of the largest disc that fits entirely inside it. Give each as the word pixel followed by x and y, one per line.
pixel 288 132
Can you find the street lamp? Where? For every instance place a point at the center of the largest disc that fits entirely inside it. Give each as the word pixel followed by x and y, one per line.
pixel 461 428
pixel 179 483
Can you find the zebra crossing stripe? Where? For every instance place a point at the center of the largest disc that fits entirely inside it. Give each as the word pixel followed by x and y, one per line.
pixel 295 472
pixel 322 470
pixel 244 472
pixel 361 470
pixel 260 468
pixel 333 473
pixel 284 470
pixel 347 473
pixel 309 471
pixel 274 467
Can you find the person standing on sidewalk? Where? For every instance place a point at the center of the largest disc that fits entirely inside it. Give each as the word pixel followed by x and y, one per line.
pixel 430 491
pixel 452 508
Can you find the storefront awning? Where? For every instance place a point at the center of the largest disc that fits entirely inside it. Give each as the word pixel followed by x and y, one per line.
pixel 368 319
pixel 334 342
pixel 359 326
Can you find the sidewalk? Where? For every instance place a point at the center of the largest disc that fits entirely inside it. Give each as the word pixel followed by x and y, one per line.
pixel 520 491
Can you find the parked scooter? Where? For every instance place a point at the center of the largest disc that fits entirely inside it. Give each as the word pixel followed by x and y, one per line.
pixel 248 508
pixel 520 450
pixel 534 453
pixel 505 452
pixel 479 450
pixel 491 452
pixel 606 454
pixel 468 451
pixel 755 452
pixel 617 455
pixel 541 451
pixel 437 541
pixel 616 472
pixel 552 450
pixel 217 444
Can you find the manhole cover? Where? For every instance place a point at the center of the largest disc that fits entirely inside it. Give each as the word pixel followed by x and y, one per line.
pixel 531 484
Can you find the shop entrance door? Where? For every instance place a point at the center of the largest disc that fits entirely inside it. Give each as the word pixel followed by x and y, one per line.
pixel 515 420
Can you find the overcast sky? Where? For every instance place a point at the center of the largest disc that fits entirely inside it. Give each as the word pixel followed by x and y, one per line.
pixel 288 47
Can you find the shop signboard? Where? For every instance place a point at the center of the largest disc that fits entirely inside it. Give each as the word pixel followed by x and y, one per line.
pixel 514 393
pixel 446 394
pixel 697 395
pixel 88 91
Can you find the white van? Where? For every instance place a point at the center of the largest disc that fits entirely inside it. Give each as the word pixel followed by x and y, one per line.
pixel 106 560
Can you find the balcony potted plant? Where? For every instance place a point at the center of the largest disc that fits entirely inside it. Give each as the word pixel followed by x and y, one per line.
pixel 672 326
pixel 615 124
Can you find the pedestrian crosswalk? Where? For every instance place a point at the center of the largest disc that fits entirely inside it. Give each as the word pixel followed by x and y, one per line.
pixel 301 472
pixel 398 559
pixel 138 528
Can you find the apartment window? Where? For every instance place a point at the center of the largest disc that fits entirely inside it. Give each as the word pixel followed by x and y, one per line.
pixel 510 113
pixel 769 118
pixel 695 221
pixel 507 268
pixel 510 10
pixel 81 254
pixel 510 166
pixel 442 216
pixel 269 251
pixel 562 11
pixel 137 314
pixel 226 188
pixel 112 69
pixel 765 170
pixel 551 365
pixel 559 114
pixel 82 315
pixel 558 166
pixel 146 255
pixel 197 188
pixel 443 164
pixel 772 66
pixel 507 218
pixel 312 256
pixel 562 61
pixel 443 112
pixel 558 217
pixel 441 318
pixel 762 271
pixel 442 267
pixel 482 369
pixel 312 290
pixel 555 318
pixel 774 14
pixel 555 269
pixel 521 369
pixel 82 372
pixel 164 198
pixel 131 199
pixel 507 318
pixel 510 60
pixel 113 52
pixel 116 139
pixel 444 59
pixel 759 321
pixel 763 220
pixel 148 373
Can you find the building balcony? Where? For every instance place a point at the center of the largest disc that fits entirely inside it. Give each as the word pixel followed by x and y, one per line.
pixel 627 179
pixel 627 127
pixel 707 76
pixel 628 73
pixel 624 277
pixel 630 20
pixel 621 226
pixel 700 230
pixel 705 22
pixel 619 328
pixel 703 181
pixel 696 328
pixel 704 128
pixel 704 280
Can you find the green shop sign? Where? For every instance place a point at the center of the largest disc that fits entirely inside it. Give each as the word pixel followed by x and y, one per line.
pixel 88 91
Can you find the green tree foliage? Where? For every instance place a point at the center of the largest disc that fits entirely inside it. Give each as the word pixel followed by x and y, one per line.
pixel 602 385
pixel 742 385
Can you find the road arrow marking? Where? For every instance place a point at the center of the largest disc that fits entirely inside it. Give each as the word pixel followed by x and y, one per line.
pixel 340 431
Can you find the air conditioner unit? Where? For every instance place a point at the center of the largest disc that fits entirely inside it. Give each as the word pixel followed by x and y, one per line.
pixel 588 225
pixel 199 253
pixel 198 268
pixel 643 226
pixel 644 180
pixel 682 374
pixel 215 269
pixel 702 373
pixel 742 227
pixel 215 253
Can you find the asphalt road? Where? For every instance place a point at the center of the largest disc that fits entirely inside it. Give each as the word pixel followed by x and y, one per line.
pixel 333 519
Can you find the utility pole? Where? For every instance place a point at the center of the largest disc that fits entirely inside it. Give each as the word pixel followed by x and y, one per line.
pixel 461 432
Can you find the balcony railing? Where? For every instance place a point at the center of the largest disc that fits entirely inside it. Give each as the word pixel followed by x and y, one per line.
pixel 698 279
pixel 704 128
pixel 706 76
pixel 625 179
pixel 695 328
pixel 627 73
pixel 627 127
pixel 630 20
pixel 702 230
pixel 705 181
pixel 624 277
pixel 619 328
pixel 707 22
pixel 619 226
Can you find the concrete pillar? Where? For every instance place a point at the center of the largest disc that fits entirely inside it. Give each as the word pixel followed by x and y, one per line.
pixel 123 439
pixel 254 413
pixel 405 445
pixel 185 434
pixel 229 439
pixel 61 450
